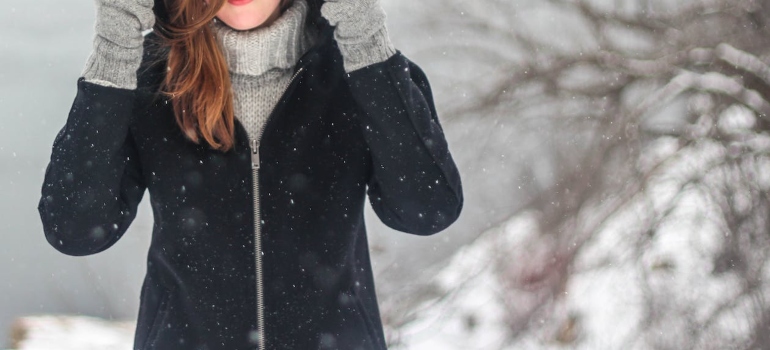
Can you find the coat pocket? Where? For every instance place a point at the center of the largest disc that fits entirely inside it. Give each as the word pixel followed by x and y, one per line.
pixel 157 322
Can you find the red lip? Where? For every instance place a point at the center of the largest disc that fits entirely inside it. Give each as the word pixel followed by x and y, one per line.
pixel 239 2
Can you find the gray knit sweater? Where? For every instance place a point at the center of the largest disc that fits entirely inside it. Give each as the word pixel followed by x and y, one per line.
pixel 260 61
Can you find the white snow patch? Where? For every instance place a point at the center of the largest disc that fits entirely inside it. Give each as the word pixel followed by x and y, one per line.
pixel 73 333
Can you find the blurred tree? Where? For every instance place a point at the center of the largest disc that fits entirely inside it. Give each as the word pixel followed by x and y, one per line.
pixel 652 117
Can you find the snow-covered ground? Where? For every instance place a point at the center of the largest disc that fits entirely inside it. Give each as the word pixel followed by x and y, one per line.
pixel 71 333
pixel 602 305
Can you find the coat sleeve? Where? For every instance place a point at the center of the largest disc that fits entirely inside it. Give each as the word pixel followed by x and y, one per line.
pixel 92 184
pixel 414 185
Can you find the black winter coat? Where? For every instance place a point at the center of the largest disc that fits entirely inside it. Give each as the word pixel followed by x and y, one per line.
pixel 302 278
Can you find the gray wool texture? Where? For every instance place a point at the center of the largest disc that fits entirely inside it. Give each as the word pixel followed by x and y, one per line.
pixel 117 47
pixel 360 31
pixel 260 60
pixel 261 63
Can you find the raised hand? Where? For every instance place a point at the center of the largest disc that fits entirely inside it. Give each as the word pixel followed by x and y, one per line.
pixel 118 44
pixel 360 31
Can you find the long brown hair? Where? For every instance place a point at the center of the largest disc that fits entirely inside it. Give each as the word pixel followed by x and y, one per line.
pixel 197 77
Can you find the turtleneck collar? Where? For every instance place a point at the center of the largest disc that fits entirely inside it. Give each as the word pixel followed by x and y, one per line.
pixel 278 46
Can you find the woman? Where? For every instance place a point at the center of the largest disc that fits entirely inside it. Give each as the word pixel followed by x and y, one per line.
pixel 258 128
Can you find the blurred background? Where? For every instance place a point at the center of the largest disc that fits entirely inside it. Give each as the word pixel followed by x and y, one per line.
pixel 615 159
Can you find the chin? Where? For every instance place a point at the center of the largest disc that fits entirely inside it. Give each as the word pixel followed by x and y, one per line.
pixel 242 24
pixel 249 16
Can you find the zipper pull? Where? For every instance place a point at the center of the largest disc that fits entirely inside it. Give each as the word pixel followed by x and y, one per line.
pixel 254 154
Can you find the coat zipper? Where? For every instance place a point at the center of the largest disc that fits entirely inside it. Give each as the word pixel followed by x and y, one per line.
pixel 254 143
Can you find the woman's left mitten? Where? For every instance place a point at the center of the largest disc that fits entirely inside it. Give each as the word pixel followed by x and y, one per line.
pixel 360 31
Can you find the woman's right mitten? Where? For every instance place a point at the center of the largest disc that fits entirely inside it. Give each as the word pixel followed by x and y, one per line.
pixel 118 44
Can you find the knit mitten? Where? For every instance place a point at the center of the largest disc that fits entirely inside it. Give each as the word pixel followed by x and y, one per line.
pixel 118 44
pixel 360 31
